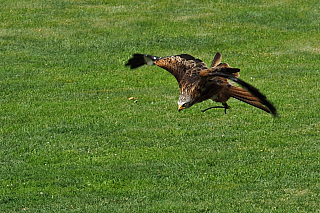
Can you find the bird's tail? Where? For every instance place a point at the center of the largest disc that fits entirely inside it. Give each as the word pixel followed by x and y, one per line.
pixel 245 96
pixel 249 95
pixel 139 60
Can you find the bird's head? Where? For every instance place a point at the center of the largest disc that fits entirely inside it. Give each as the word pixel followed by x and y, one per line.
pixel 185 101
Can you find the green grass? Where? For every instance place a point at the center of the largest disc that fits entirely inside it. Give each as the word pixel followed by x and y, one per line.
pixel 71 141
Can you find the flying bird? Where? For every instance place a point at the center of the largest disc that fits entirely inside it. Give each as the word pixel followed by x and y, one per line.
pixel 198 83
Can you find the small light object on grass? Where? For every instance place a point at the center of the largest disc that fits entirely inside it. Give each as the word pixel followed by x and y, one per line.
pixel 132 98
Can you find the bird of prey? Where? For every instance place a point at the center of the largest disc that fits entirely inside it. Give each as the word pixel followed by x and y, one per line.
pixel 198 83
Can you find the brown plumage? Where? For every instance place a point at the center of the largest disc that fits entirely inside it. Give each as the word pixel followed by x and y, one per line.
pixel 198 83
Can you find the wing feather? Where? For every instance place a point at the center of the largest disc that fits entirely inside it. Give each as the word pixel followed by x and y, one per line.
pixel 216 60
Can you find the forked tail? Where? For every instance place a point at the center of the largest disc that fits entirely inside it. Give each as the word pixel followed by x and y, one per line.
pixel 250 96
pixel 245 96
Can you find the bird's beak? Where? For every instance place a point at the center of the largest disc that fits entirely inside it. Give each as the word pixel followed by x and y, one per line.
pixel 181 108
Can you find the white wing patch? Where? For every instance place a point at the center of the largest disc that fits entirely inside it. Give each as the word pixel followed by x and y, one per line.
pixel 148 60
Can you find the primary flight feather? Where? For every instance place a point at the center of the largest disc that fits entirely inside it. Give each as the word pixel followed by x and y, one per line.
pixel 198 83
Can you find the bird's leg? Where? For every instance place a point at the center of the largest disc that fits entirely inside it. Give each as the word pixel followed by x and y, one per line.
pixel 212 108
pixel 225 107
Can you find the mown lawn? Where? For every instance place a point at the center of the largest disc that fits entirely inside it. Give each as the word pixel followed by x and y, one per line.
pixel 71 141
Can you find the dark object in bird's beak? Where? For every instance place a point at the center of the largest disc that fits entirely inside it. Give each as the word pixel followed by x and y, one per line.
pixel 181 108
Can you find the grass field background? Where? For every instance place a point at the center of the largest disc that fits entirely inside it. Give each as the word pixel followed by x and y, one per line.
pixel 71 141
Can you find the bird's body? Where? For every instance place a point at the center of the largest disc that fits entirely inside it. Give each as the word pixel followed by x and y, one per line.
pixel 198 83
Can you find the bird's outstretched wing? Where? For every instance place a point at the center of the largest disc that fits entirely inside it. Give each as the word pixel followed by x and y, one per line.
pixel 178 65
